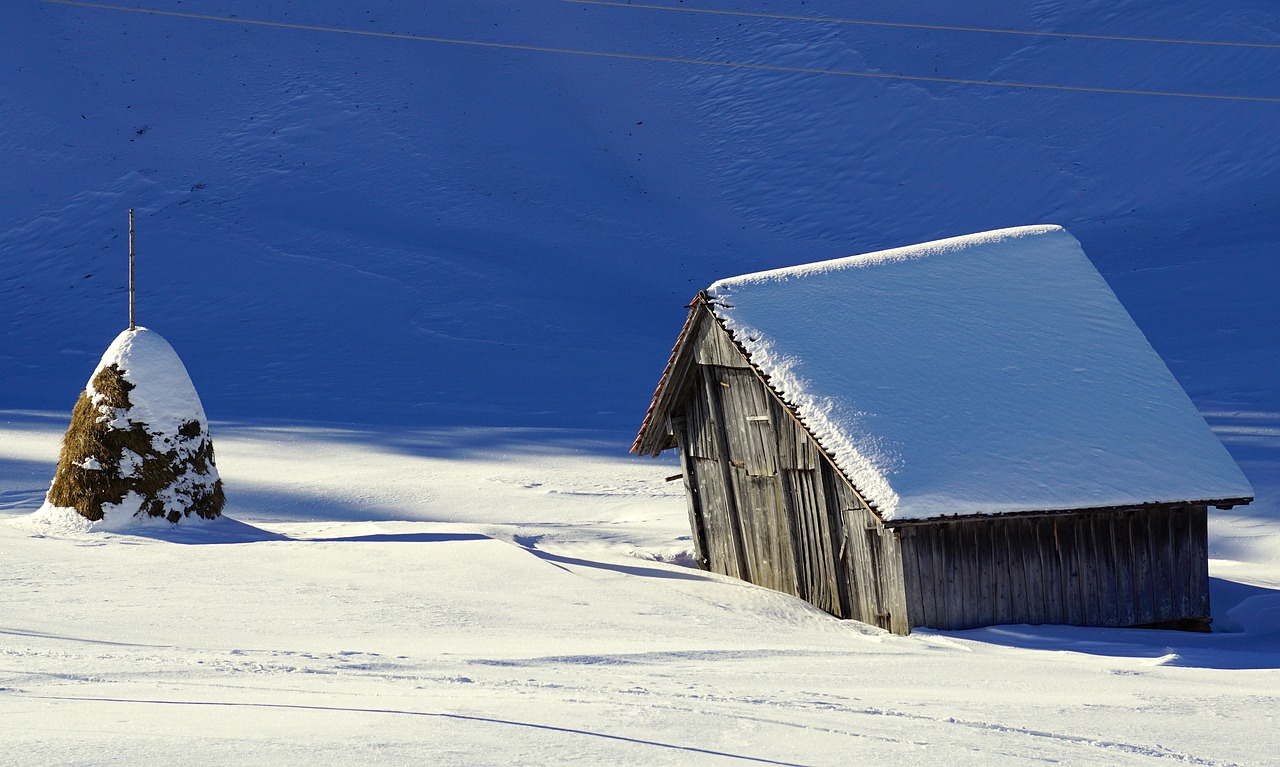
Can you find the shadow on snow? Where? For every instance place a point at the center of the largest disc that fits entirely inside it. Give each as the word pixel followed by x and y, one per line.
pixel 1246 634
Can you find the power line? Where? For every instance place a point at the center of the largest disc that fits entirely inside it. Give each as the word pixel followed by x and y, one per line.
pixel 904 25
pixel 665 59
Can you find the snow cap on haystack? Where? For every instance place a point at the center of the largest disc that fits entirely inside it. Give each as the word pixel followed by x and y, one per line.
pixel 138 447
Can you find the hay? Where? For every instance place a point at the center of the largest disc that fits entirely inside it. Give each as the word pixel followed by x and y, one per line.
pixel 107 459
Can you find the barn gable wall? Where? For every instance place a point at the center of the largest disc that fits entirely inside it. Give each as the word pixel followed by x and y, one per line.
pixel 766 504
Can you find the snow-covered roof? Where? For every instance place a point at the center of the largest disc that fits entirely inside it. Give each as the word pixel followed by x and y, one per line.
pixel 986 374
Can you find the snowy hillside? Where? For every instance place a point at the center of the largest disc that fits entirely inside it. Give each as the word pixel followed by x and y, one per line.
pixel 424 263
pixel 380 229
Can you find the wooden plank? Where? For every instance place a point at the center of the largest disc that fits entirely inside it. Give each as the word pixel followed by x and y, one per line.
pixel 1006 572
pixel 875 583
pixel 1129 551
pixel 752 445
pixel 736 537
pixel 796 449
pixel 1161 535
pixel 1000 571
pixel 1104 561
pixel 793 503
pixel 721 557
pixel 1050 571
pixel 1031 555
pixel 858 562
pixel 693 500
pixel 779 525
pixel 953 581
pixel 1013 601
pixel 714 526
pixel 941 576
pixel 823 548
pixel 703 473
pixel 969 555
pixel 921 542
pixel 922 545
pixel 1085 572
pixel 713 346
pixel 1122 569
pixel 1179 530
pixel 857 555
pixel 1157 539
pixel 1069 602
pixel 701 434
pixel 1104 569
pixel 964 563
pixel 1178 551
pixel 1100 548
pixel 837 523
pixel 951 565
pixel 825 542
pixel 1153 551
pixel 1199 555
pixel 1064 539
pixel 965 554
pixel 911 576
pixel 798 490
pixel 1162 539
pixel 870 558
pixel 1144 594
pixel 988 584
pixel 1193 566
pixel 894 589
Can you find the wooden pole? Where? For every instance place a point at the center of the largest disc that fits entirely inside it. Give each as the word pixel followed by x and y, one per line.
pixel 132 326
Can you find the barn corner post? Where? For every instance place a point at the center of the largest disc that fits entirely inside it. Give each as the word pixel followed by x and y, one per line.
pixel 132 324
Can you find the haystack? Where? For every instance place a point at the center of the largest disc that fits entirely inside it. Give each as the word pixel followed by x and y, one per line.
pixel 138 446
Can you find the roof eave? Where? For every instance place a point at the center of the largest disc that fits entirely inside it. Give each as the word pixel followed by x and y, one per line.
pixel 1220 503
pixel 655 434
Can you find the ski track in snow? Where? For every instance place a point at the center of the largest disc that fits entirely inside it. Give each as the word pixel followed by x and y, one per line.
pixel 356 664
pixel 739 709
pixel 1124 748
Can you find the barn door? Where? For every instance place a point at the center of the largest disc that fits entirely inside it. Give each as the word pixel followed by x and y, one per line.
pixel 819 568
pixel 707 475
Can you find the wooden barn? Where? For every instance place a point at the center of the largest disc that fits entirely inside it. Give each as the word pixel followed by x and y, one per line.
pixel 957 434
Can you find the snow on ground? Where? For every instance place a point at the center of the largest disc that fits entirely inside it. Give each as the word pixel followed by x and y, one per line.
pixel 506 596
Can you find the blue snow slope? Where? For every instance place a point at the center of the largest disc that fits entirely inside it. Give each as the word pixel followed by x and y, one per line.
pixel 350 222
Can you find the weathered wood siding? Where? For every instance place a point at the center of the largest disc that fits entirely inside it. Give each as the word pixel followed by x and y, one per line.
pixel 765 503
pixel 873 561
pixel 1104 568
